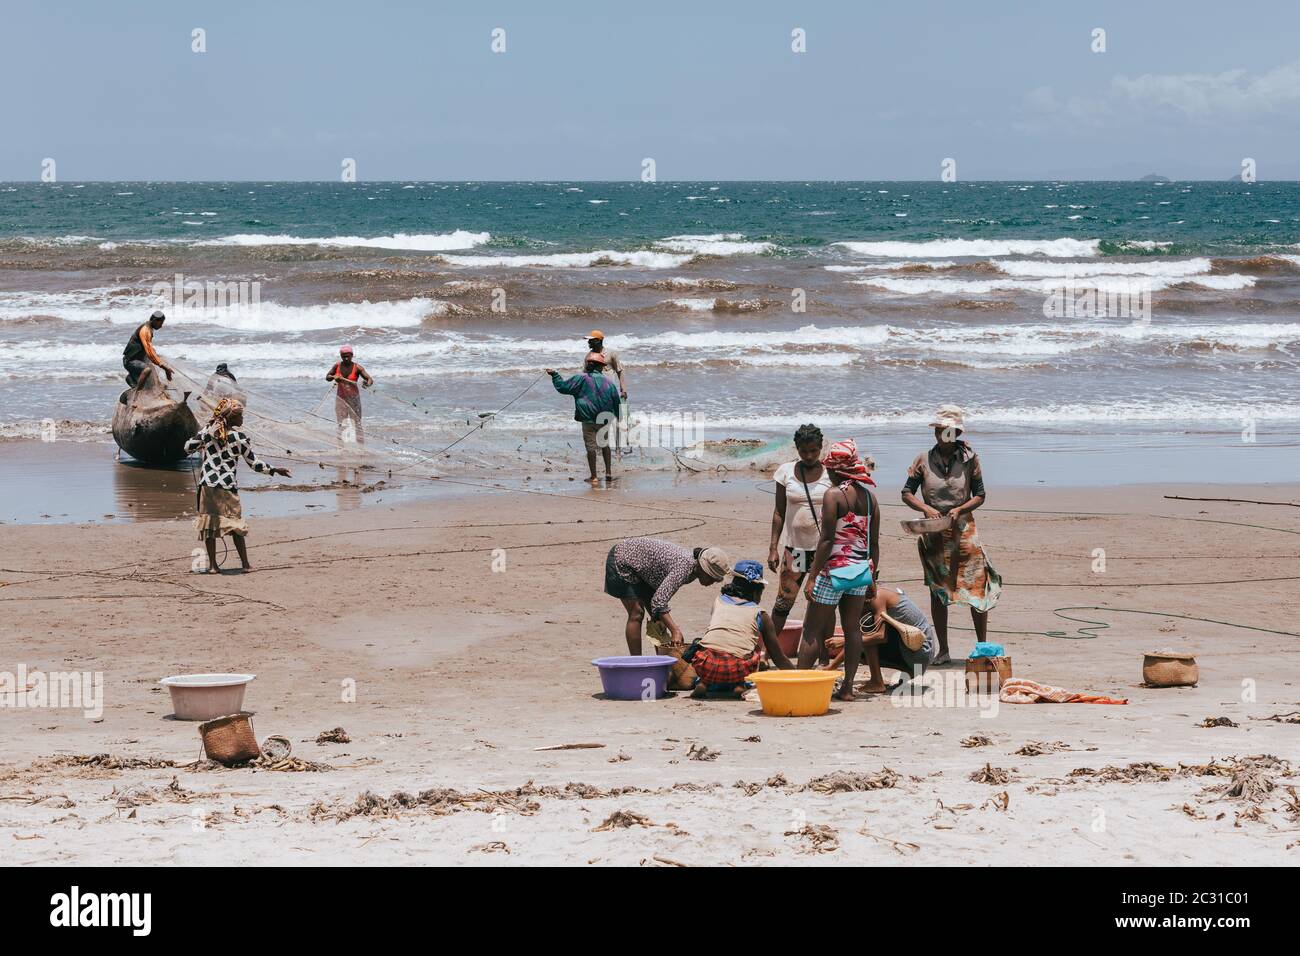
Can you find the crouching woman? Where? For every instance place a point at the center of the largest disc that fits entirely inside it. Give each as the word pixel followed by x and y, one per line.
pixel 739 629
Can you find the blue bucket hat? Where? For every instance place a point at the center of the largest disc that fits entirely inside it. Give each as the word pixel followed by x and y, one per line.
pixel 749 571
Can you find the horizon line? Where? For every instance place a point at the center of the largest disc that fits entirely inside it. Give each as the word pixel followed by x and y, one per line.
pixel 626 182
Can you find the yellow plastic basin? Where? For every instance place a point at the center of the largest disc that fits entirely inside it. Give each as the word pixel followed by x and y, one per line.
pixel 795 693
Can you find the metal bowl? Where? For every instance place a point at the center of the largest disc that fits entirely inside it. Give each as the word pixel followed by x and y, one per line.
pixel 927 525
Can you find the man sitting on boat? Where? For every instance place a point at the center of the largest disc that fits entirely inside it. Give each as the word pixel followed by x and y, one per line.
pixel 139 356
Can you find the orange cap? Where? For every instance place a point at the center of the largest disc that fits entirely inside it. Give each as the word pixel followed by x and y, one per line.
pixel 596 334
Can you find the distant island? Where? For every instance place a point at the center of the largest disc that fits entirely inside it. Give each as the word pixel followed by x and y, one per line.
pixel 1155 178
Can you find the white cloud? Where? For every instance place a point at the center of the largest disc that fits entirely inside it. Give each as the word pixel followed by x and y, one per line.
pixel 1230 93
pixel 1215 99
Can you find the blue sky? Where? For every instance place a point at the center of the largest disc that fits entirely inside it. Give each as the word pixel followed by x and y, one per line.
pixel 586 90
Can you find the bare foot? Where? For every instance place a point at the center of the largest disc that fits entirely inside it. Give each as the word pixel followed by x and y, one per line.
pixel 246 569
pixel 943 658
pixel 872 687
pixel 699 691
pixel 846 694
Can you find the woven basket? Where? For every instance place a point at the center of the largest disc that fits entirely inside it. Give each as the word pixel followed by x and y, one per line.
pixel 682 676
pixel 984 675
pixel 229 739
pixel 1170 669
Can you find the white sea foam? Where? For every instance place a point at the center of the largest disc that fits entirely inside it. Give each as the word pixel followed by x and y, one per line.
pixel 51 241
pixel 262 354
pixel 716 244
pixel 931 248
pixel 695 305
pixel 905 264
pixel 414 242
pixel 1156 267
pixel 262 317
pixel 1050 416
pixel 1103 283
pixel 1003 339
pixel 1147 244
pixel 576 260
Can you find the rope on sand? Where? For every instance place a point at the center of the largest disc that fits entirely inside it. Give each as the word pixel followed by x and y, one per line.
pixel 1084 633
pixel 162 578
pixel 1089 632
pixel 1243 501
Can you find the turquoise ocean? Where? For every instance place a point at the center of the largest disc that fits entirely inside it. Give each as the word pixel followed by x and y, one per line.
pixel 744 309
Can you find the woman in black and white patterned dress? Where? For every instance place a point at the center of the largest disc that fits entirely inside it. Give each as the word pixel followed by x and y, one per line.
pixel 219 511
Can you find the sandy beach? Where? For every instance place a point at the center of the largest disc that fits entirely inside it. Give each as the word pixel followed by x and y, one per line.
pixel 463 674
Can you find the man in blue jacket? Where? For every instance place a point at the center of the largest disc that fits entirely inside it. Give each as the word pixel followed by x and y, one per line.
pixel 595 407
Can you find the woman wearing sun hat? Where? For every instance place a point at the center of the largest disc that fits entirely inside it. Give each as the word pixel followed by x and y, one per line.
pixel 950 482
pixel 645 573
pixel 739 629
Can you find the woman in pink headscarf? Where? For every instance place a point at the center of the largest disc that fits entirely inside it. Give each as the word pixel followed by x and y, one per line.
pixel 845 565
pixel 345 374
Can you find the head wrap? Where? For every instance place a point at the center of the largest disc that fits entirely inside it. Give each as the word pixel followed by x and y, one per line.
pixel 225 408
pixel 843 460
pixel 345 350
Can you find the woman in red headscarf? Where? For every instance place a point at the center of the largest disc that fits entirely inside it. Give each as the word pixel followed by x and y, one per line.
pixel 845 565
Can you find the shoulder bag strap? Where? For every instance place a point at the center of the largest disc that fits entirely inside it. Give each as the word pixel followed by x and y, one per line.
pixel 808 494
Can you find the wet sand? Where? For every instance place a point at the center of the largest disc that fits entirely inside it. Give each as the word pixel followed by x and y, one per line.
pixel 78 481
pixel 70 482
pixel 460 674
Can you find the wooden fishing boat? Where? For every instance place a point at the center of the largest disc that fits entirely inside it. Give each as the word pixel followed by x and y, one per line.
pixel 152 426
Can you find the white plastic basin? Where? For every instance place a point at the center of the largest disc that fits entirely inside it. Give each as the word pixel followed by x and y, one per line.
pixel 206 696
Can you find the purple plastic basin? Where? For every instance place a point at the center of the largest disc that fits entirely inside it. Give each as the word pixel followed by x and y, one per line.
pixel 635 678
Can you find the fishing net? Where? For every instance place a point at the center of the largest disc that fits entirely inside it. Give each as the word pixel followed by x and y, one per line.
pixel 317 436
pixel 732 454
pixel 400 436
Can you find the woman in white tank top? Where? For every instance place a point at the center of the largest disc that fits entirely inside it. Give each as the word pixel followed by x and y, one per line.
pixel 800 487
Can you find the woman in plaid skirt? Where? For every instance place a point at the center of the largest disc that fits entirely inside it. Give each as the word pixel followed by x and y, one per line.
pixel 844 568
pixel 739 629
